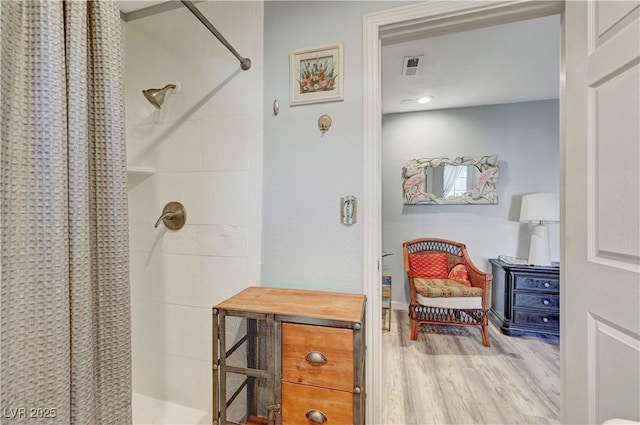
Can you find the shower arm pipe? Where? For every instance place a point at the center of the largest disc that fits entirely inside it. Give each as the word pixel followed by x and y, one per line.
pixel 245 63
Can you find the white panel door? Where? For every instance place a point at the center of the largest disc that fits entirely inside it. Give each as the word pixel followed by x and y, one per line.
pixel 600 323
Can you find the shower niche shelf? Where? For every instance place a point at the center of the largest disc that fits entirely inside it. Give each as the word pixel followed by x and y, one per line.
pixel 140 171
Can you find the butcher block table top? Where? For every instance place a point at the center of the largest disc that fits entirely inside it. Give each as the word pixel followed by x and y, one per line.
pixel 297 302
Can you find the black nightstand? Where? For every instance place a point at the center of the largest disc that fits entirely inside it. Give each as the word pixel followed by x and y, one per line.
pixel 525 300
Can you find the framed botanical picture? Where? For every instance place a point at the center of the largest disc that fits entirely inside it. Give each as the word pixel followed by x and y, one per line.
pixel 316 75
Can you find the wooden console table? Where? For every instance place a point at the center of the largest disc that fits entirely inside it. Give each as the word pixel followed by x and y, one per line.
pixel 525 300
pixel 287 356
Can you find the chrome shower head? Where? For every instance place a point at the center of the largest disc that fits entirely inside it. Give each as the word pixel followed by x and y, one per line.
pixel 156 96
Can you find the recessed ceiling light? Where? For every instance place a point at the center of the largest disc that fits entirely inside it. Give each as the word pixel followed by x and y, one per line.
pixel 425 99
pixel 406 102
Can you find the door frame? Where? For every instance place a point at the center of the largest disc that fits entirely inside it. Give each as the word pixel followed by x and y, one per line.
pixel 417 20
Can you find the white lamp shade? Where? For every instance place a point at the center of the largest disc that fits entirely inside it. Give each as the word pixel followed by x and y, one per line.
pixel 539 207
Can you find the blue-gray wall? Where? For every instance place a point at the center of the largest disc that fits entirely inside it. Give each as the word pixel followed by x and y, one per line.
pixel 306 173
pixel 525 136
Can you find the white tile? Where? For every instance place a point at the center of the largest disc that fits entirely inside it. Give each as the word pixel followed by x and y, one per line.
pixel 147 325
pixel 187 332
pixel 140 55
pixel 148 410
pixel 171 348
pixel 225 84
pixel 183 241
pixel 219 63
pixel 222 277
pixel 188 382
pixel 225 197
pixel 148 373
pixel 226 16
pixel 143 236
pixel 141 195
pixel 181 39
pixel 174 379
pixel 180 280
pixel 181 187
pixel 225 144
pixel 178 146
pixel 222 240
pixel 141 139
pixel 145 272
pixel 227 93
pixel 160 50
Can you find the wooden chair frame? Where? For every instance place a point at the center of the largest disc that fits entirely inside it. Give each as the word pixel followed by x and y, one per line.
pixel 456 254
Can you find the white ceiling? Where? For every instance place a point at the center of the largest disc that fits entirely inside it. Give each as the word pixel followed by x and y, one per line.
pixel 508 63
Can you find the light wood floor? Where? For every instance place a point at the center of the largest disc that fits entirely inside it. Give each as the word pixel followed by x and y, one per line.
pixel 448 377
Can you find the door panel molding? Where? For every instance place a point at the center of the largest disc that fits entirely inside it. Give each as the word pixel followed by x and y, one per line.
pixel 608 21
pixel 610 344
pixel 600 311
pixel 613 162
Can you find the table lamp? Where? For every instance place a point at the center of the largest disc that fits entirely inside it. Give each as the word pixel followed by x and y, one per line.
pixel 540 208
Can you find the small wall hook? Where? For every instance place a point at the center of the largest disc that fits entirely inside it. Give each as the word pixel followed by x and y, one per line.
pixel 324 123
pixel 276 107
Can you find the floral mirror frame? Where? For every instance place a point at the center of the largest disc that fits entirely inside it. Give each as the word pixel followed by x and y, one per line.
pixel 483 191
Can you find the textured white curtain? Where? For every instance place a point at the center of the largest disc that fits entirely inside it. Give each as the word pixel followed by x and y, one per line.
pixel 65 352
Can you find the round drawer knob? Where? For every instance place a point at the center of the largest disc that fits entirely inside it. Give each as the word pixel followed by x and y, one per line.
pixel 545 302
pixel 316 416
pixel 545 320
pixel 546 284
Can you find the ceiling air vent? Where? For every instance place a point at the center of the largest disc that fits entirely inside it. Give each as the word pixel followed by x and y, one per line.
pixel 411 65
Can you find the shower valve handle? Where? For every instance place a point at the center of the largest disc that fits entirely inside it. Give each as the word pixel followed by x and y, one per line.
pixel 168 215
pixel 173 216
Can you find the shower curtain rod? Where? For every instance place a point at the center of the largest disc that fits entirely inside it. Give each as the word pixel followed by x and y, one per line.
pixel 245 63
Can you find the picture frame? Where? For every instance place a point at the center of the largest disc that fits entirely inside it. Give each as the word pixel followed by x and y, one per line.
pixel 316 75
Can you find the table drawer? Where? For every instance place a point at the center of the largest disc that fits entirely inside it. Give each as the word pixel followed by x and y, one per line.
pixel 537 318
pixel 537 283
pixel 304 345
pixel 546 302
pixel 301 404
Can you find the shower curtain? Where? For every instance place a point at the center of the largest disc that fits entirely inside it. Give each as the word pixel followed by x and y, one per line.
pixel 65 352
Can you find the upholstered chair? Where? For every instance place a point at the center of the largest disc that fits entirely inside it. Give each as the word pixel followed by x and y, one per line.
pixel 445 287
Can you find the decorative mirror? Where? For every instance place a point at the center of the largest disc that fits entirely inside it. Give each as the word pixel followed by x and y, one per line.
pixel 461 180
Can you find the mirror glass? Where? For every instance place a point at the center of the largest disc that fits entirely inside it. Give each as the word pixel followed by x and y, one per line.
pixel 462 180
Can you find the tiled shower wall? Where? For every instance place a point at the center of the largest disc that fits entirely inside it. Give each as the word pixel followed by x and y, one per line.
pixel 205 150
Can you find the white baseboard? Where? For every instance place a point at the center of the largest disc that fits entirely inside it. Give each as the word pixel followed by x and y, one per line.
pixel 399 305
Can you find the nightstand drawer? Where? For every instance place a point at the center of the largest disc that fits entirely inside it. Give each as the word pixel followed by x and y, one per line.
pixel 537 318
pixel 302 405
pixel 525 300
pixel 546 302
pixel 317 355
pixel 537 283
